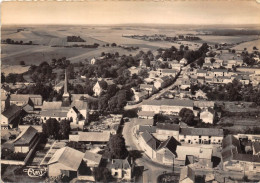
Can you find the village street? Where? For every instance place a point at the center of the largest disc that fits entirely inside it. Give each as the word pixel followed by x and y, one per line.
pixel 128 107
pixel 151 169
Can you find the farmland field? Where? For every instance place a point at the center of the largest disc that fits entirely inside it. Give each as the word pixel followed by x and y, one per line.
pixel 47 36
pixel 249 45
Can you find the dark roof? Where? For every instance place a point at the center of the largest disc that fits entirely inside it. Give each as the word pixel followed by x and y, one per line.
pixel 202 131
pixel 171 143
pixel 75 109
pixel 10 111
pixel 150 140
pixel 26 136
pixel 246 157
pixel 150 129
pixel 170 102
pixel 167 126
pixel 120 164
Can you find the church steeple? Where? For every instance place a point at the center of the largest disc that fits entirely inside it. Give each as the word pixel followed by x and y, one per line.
pixel 66 95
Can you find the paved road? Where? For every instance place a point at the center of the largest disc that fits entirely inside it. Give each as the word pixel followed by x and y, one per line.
pixel 128 107
pixel 151 169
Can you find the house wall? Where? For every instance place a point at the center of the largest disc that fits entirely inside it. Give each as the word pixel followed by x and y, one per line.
pixel 165 156
pixel 148 150
pixel 72 114
pixel 21 149
pixel 117 173
pixel 200 139
pixel 164 108
pixel 54 169
pixel 45 118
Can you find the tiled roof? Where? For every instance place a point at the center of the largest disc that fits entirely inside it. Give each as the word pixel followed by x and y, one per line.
pixel 94 136
pixel 170 102
pixel 26 136
pixel 167 126
pixel 55 105
pixel 202 131
pixel 120 164
pixel 150 140
pixel 150 129
pixel 171 144
pixel 10 111
pixel 246 157
pixel 256 146
pixel 54 113
pixel 146 113
pixel 92 156
pixel 139 121
pixel 69 157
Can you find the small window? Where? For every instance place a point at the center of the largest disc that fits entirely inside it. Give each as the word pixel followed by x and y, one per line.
pixel 200 136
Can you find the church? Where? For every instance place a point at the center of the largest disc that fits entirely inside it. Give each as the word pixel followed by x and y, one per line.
pixel 72 107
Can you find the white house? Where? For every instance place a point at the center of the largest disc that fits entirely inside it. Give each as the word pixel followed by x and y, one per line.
pixel 97 89
pixel 121 168
pixel 201 135
pixel 93 61
pixel 8 116
pixel 207 115
pixel 149 144
pixel 183 61
pixel 167 106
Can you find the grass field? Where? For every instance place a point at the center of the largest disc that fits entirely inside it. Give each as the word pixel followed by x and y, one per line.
pixel 47 36
pixel 17 69
pixel 249 45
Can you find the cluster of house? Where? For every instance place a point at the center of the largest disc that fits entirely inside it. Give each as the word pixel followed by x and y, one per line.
pixel 174 106
pixel 174 144
pixel 218 69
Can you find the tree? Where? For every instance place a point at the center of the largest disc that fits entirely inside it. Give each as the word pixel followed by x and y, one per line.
pixel 2 78
pixel 200 61
pixel 116 147
pixel 113 44
pixel 102 174
pixel 187 116
pixel 64 129
pixel 22 63
pixel 51 128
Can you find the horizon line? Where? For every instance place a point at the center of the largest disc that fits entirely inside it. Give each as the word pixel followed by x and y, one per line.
pixel 134 24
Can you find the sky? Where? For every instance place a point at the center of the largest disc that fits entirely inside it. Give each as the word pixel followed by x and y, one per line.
pixel 132 12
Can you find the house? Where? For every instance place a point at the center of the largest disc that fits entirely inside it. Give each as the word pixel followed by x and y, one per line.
pixel 97 89
pixel 204 104
pixel 93 61
pixel 202 73
pixel 200 95
pixel 121 168
pixel 65 161
pixel 216 65
pixel 166 152
pixel 219 72
pixel 91 137
pixel 176 66
pixel 145 114
pixel 56 114
pixel 74 115
pixel 139 129
pixel 234 160
pixel 207 115
pixel 55 105
pixel 163 82
pixel 149 88
pixel 201 135
pixel 22 99
pixel 133 70
pixel 185 83
pixel 167 72
pixel 187 175
pixel 191 154
pixel 27 140
pixel 139 96
pixel 92 159
pixel 183 61
pixel 144 122
pixel 167 106
pixel 149 144
pixel 256 148
pixel 165 130
pixel 8 116
pixel 207 65
pixel 208 59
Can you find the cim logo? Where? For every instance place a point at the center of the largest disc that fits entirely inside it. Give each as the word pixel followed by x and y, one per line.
pixel 35 172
